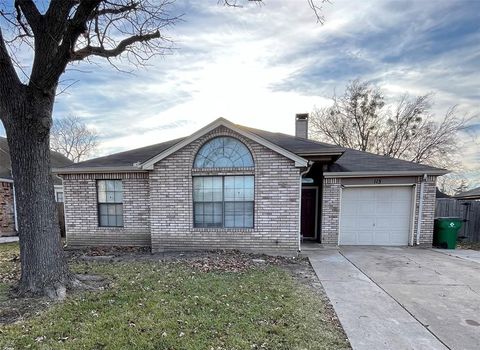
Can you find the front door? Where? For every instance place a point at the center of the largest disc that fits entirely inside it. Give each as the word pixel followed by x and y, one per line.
pixel 309 211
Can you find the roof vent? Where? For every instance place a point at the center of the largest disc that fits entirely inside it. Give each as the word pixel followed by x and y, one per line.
pixel 301 125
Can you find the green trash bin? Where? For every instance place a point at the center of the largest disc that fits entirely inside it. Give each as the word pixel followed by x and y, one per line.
pixel 445 232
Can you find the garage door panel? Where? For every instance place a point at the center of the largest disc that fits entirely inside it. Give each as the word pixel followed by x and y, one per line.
pixel 402 208
pixel 349 237
pixel 349 208
pixel 365 207
pixel 365 237
pixel 375 216
pixel 383 208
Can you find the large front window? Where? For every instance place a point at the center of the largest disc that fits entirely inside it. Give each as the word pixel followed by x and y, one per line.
pixel 223 201
pixel 110 203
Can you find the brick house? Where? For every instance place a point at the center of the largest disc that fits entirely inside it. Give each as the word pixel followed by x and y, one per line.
pixel 233 187
pixel 8 226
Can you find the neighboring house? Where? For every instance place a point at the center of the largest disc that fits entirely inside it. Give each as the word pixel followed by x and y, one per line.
pixel 8 223
pixel 469 195
pixel 229 186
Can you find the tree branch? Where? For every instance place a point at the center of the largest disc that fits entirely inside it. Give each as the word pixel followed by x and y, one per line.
pixel 119 49
pixel 31 13
pixel 115 11
pixel 9 81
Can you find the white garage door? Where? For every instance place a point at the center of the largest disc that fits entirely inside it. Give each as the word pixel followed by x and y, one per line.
pixel 375 215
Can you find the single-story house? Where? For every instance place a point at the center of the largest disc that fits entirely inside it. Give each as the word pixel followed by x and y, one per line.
pixel 229 186
pixel 473 194
pixel 8 221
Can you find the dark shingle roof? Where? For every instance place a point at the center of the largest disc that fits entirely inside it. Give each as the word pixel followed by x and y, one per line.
pixel 127 158
pixel 350 161
pixel 472 194
pixel 58 160
pixel 297 145
pixel 359 161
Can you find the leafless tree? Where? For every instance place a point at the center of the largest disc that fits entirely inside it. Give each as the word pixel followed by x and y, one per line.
pixel 59 33
pixel 71 137
pixel 361 119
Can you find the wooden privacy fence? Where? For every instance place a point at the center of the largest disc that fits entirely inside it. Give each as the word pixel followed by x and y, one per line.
pixel 468 211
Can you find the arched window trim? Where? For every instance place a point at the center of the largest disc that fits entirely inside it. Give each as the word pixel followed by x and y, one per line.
pixel 206 159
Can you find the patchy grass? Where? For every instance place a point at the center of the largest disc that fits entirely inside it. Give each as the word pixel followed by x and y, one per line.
pixel 176 305
pixel 467 245
pixel 9 267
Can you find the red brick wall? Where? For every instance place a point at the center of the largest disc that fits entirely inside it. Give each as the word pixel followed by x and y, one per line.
pixel 7 219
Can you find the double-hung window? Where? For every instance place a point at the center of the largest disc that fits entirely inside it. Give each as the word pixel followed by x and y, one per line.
pixel 110 203
pixel 223 201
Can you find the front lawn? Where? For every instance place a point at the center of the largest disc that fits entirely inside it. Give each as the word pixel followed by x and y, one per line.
pixel 181 305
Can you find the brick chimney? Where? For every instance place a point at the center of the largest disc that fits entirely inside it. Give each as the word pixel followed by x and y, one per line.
pixel 301 125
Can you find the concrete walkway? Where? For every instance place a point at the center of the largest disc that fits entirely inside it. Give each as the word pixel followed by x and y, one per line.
pixel 403 298
pixel 8 239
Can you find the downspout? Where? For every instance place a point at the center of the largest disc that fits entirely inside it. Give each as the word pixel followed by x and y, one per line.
pixel 420 207
pixel 309 166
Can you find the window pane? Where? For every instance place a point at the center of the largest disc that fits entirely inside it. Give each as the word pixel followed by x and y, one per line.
pixel 198 220
pixel 119 209
pixel 229 194
pixel 110 209
pixel 111 220
pixel 223 152
pixel 102 197
pixel 208 208
pixel 198 208
pixel 110 197
pixel 110 185
pixel 103 209
pixel 118 185
pixel 101 185
pixel 103 220
pixel 120 220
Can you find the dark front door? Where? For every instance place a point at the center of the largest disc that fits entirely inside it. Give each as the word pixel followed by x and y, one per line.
pixel 309 210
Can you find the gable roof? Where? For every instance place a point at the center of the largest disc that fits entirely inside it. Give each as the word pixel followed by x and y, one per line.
pixel 471 194
pixel 57 160
pixel 299 161
pixel 350 162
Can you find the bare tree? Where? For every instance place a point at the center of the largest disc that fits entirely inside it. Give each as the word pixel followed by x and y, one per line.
pixel 361 119
pixel 72 138
pixel 67 31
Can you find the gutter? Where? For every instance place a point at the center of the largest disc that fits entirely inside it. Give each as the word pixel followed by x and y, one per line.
pixel 121 169
pixel 342 174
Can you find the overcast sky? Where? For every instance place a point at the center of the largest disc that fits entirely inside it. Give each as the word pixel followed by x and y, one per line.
pixel 259 65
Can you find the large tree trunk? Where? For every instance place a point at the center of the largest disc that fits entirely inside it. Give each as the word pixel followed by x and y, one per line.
pixel 44 268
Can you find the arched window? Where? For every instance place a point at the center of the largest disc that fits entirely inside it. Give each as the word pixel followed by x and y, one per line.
pixel 223 152
pixel 223 200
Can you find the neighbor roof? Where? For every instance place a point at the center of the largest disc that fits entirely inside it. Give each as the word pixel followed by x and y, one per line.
pixel 472 194
pixel 349 160
pixel 57 160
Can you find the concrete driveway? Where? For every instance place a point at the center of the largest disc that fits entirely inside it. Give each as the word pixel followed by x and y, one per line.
pixel 403 298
